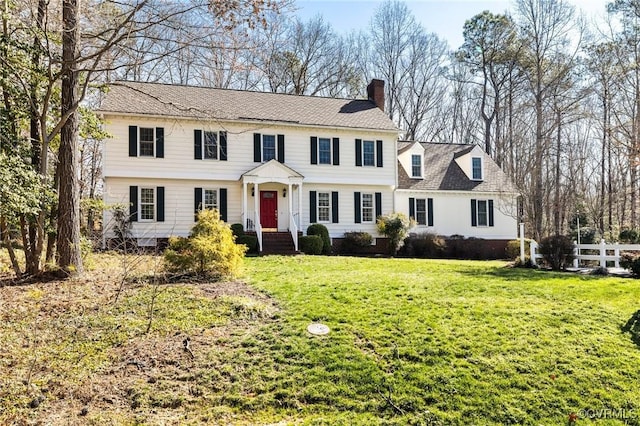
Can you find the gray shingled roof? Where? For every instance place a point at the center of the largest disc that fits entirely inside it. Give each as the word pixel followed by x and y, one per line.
pixel 224 104
pixel 442 173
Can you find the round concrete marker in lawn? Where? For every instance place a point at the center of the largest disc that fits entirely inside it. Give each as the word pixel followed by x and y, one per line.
pixel 318 329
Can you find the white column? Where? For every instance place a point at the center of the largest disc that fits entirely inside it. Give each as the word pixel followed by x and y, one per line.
pixel 290 202
pixel 244 204
pixel 256 197
pixel 522 256
pixel 300 206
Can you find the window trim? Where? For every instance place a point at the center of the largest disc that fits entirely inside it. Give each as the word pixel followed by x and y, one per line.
pixel 329 207
pixel 486 212
pixel 275 148
pixel 330 143
pixel 204 197
pixel 204 145
pixel 479 168
pixel 141 203
pixel 373 147
pixel 372 207
pixel 153 142
pixel 420 168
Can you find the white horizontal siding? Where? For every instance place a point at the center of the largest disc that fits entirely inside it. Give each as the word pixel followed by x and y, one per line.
pixel 452 214
pixel 179 162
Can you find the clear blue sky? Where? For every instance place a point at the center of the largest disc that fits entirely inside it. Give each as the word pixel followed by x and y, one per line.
pixel 443 17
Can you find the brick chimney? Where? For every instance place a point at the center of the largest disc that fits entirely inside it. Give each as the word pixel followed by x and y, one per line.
pixel 375 92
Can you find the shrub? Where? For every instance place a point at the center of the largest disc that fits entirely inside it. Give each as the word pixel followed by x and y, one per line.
pixel 355 242
pixel 631 261
pixel 237 229
pixel 425 245
pixel 628 236
pixel 394 226
pixel 209 250
pixel 557 251
pixel 518 263
pixel 251 241
pixel 323 232
pixel 513 248
pixel 311 244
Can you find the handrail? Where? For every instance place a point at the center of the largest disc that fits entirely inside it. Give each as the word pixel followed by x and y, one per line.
pixel 258 229
pixel 293 228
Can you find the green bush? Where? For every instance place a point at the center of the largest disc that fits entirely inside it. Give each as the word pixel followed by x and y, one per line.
pixel 323 232
pixel 311 244
pixel 425 245
pixel 557 251
pixel 518 263
pixel 631 261
pixel 355 242
pixel 209 250
pixel 237 229
pixel 513 248
pixel 629 236
pixel 394 226
pixel 251 241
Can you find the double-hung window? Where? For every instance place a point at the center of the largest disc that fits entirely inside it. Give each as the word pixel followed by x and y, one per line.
pixel 482 213
pixel 210 199
pixel 416 166
pixel 210 145
pixel 324 151
pixel 476 168
pixel 421 211
pixel 324 207
pixel 147 142
pixel 368 153
pixel 268 147
pixel 367 208
pixel 147 204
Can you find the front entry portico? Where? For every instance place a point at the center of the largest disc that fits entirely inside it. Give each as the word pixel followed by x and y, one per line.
pixel 276 191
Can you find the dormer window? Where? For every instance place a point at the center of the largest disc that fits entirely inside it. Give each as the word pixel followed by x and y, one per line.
pixel 416 166
pixel 476 168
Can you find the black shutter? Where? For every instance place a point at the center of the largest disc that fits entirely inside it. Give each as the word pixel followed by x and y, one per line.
pixel 314 150
pixel 133 203
pixel 313 218
pixel 336 151
pixel 379 154
pixel 133 141
pixel 197 203
pixel 223 204
pixel 412 207
pixel 474 219
pixel 429 211
pixel 257 154
pixel 223 146
pixel 160 204
pixel 490 212
pixel 197 144
pixel 357 208
pixel 334 207
pixel 358 152
pixel 378 204
pixel 159 142
pixel 281 148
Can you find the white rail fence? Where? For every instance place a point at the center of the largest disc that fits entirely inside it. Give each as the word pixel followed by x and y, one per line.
pixel 605 252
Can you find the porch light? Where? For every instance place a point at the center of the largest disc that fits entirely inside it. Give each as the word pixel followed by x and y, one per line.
pixel 284 193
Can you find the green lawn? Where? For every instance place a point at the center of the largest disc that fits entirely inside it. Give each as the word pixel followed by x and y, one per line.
pixel 411 342
pixel 419 341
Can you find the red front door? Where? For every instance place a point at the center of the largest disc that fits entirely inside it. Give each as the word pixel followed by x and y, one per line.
pixel 269 209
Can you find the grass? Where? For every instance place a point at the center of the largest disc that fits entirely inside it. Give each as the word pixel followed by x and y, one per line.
pixel 411 342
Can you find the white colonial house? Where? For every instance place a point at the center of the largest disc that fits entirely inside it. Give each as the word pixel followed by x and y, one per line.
pixel 272 162
pixel 453 189
pixel 277 163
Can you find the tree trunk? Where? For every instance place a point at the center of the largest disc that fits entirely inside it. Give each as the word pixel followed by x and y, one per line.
pixel 68 238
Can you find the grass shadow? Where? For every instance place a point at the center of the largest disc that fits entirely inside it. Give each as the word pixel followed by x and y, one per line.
pixel 633 327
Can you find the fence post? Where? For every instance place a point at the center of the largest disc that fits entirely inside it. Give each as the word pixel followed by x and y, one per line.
pixel 533 247
pixel 522 243
pixel 603 253
pixel 575 254
pixel 617 255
